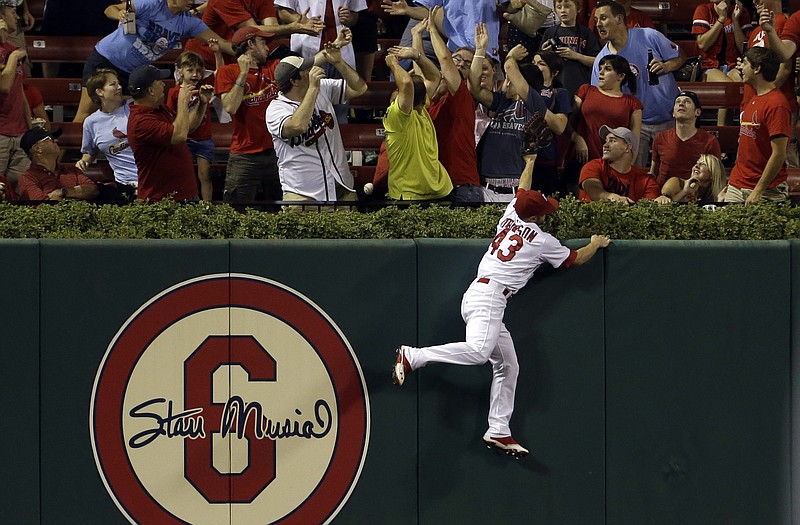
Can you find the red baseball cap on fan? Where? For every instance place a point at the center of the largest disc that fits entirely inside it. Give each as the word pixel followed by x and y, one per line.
pixel 243 34
pixel 530 203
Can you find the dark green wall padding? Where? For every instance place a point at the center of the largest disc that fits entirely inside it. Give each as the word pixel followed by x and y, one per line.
pixel 657 382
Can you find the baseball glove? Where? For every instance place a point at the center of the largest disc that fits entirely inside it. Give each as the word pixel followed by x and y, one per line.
pixel 535 135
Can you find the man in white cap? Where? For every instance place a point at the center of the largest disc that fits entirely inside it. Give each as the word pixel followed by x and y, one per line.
pixel 517 251
pixel 311 157
pixel 613 176
pixel 157 136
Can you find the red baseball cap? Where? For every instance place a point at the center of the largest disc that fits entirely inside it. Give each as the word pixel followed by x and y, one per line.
pixel 243 34
pixel 531 202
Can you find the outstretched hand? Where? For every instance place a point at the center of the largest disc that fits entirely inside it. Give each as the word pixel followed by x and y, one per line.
pixel 404 53
pixel 481 38
pixel 344 37
pixel 399 7
pixel 601 241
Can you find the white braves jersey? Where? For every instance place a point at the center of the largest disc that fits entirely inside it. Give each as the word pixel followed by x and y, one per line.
pixel 518 249
pixel 312 163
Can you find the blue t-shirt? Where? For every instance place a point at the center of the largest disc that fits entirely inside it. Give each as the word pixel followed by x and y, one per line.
pixel 460 19
pixel 657 100
pixel 157 31
pixel 562 104
pixel 499 149
pixel 108 133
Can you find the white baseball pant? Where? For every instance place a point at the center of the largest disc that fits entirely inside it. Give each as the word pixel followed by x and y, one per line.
pixel 487 339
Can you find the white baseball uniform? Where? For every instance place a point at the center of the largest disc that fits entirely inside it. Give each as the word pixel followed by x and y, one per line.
pixel 312 163
pixel 518 249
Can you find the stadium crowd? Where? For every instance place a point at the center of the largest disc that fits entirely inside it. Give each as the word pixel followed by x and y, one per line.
pixel 468 77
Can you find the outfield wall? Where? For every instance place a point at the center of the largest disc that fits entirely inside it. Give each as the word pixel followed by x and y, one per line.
pixel 657 382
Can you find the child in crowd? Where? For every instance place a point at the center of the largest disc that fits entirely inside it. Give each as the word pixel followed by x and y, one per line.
pixel 191 72
pixel 575 44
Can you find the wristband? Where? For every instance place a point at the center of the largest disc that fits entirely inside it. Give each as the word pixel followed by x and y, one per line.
pixel 478 57
pixel 721 22
pixel 240 84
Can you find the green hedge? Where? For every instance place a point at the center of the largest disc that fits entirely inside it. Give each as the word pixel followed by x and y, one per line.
pixel 168 220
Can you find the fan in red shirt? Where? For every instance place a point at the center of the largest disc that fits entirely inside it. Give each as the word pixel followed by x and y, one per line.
pixel 764 133
pixel 246 89
pixel 46 179
pixel 453 113
pixel 158 136
pixel 721 31
pixel 614 177
pixel 676 150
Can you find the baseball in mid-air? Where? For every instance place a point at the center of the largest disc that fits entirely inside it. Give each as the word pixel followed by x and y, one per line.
pixel 368 188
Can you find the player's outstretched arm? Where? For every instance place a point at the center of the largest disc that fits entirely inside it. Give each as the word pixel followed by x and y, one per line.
pixel 587 252
pixel 526 177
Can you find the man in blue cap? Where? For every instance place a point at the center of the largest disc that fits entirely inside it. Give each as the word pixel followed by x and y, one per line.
pixel 157 136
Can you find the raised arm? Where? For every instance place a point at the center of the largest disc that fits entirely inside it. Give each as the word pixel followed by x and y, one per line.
pixel 450 72
pixel 298 122
pixel 219 60
pixel 479 93
pixel 401 7
pixel 526 177
pixel 233 98
pixel 707 39
pixel 355 84
pixel 738 33
pixel 198 112
pixel 344 37
pixel 784 48
pixel 116 12
pixel 405 85
pixel 224 45
pixel 183 118
pixel 430 74
pixel 513 74
pixel 289 22
pixel 597 242
pixel 9 72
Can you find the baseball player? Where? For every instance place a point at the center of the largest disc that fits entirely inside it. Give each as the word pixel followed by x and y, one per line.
pixel 517 250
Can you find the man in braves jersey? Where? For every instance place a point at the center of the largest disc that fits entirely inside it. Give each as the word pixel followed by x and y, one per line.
pixel 518 249
pixel 311 157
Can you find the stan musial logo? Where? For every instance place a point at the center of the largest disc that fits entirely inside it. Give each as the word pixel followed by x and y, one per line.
pixel 229 399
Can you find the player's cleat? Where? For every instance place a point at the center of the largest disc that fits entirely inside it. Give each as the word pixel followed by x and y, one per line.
pixel 401 367
pixel 507 445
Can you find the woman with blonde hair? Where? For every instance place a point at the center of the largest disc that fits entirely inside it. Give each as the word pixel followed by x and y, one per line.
pixel 706 184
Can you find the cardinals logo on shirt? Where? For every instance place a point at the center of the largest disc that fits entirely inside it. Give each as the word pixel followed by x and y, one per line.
pixel 230 398
pixel 121 144
pixel 749 128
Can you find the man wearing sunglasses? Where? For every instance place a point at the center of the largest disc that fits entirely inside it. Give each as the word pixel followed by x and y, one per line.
pixel 46 180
